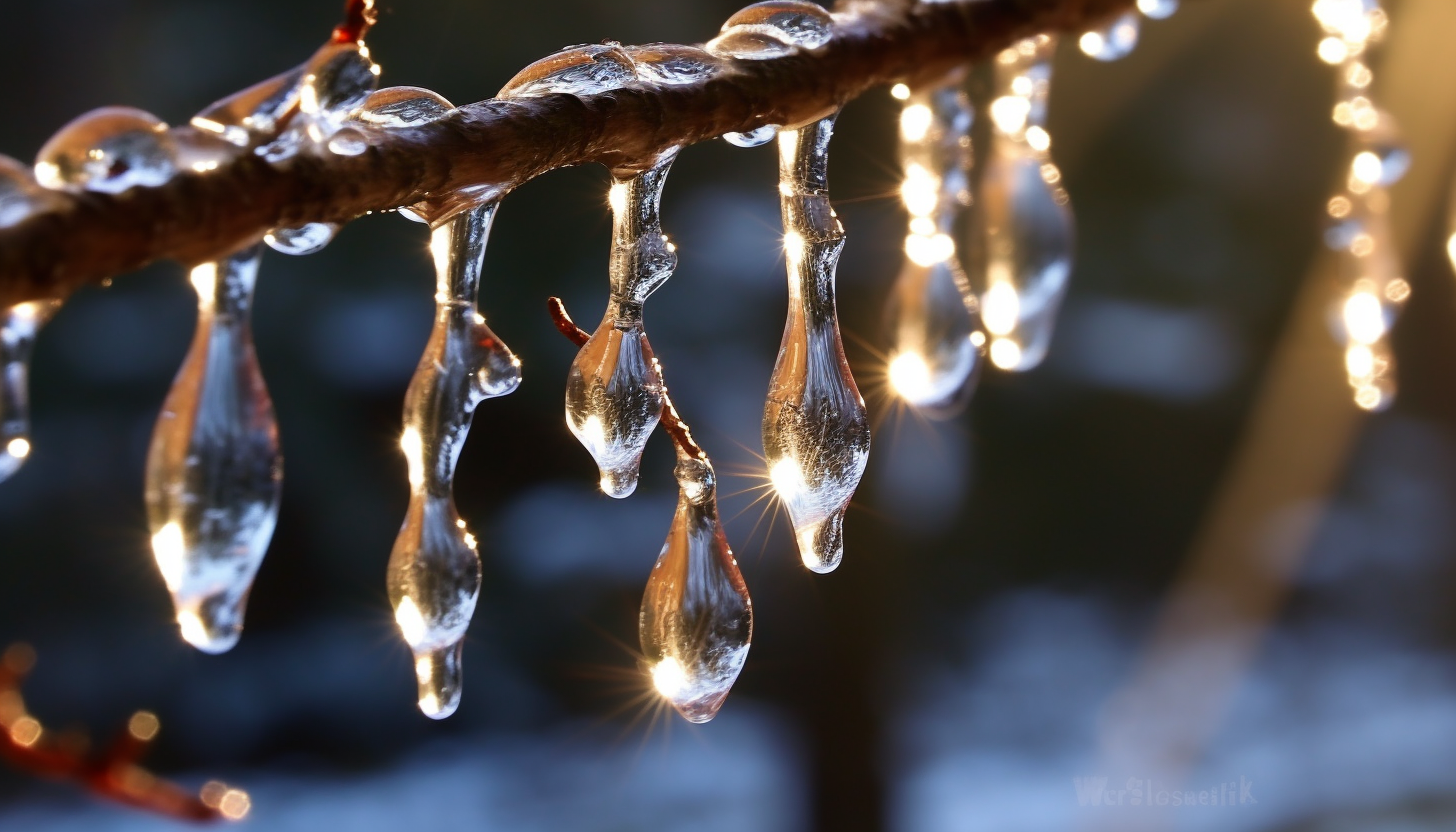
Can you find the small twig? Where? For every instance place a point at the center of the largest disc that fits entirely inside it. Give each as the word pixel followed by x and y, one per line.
pixel 359 17
pixel 115 774
pixel 500 144
pixel 671 422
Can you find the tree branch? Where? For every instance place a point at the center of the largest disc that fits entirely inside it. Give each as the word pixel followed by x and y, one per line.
pixel 500 144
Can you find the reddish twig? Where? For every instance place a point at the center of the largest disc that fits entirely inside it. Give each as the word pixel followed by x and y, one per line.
pixel 359 17
pixel 499 144
pixel 672 422
pixel 114 774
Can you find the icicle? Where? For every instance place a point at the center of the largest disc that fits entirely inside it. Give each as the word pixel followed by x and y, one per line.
pixel 697 619
pixel 111 149
pixel 936 329
pixel 1023 213
pixel 773 29
pixel 1359 227
pixel 1114 41
pixel 816 434
pixel 214 470
pixel 434 570
pixel 18 327
pixel 614 391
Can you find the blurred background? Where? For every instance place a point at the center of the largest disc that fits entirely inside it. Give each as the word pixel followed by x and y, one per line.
pixel 1174 556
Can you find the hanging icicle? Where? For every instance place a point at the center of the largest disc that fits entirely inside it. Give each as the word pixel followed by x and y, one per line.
pixel 214 470
pixel 1374 289
pixel 696 621
pixel 1024 217
pixel 935 325
pixel 816 432
pixel 614 392
pixel 434 570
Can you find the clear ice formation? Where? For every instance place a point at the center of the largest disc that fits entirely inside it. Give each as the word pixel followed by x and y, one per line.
pixel 1358 225
pixel 576 70
pixel 110 150
pixel 614 389
pixel 671 65
pixel 697 620
pixel 434 569
pixel 399 107
pixel 934 322
pixel 816 433
pixel 1023 222
pixel 20 195
pixel 773 29
pixel 214 470
pixel 18 327
pixel 753 138
pixel 1114 41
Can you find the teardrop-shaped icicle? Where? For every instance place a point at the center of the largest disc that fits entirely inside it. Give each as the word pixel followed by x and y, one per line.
pixel 670 64
pixel 614 389
pixel 214 470
pixel 773 29
pixel 110 150
pixel 305 239
pixel 18 327
pixel 576 70
pixel 1114 41
pixel 1023 225
pixel 936 353
pixel 697 619
pixel 816 432
pixel 753 138
pixel 434 569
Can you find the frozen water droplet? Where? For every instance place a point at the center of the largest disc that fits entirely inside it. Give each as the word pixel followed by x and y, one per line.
pixel 936 354
pixel 18 327
pixel 816 433
pixel 1021 234
pixel 434 570
pixel 305 239
pixel 214 470
pixel 614 389
pixel 1158 9
pixel 753 138
pixel 109 150
pixel 670 64
pixel 403 107
pixel 256 111
pixel 773 29
pixel 348 142
pixel 20 195
pixel 1114 41
pixel 336 81
pixel 577 70
pixel 697 620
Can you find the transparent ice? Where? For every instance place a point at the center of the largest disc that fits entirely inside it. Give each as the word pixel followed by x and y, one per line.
pixel 214 470
pixel 576 70
pixel 18 327
pixel 1114 41
pixel 816 432
pixel 305 239
pixel 773 29
pixel 753 138
pixel 398 107
pixel 1022 233
pixel 670 64
pixel 614 389
pixel 933 312
pixel 20 195
pixel 304 107
pixel 434 569
pixel 697 619
pixel 111 150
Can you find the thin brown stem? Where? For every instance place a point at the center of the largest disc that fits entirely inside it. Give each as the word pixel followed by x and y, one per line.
pixel 501 143
pixel 672 422
pixel 359 17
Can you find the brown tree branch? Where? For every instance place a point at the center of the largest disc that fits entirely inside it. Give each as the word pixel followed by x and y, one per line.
pixel 89 237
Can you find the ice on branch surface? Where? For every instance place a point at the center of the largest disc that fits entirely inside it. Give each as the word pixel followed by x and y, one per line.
pixel 1373 289
pixel 214 470
pixel 773 29
pixel 434 569
pixel 816 433
pixel 933 312
pixel 399 107
pixel 614 388
pixel 1114 41
pixel 111 150
pixel 697 619
pixel 1022 233
pixel 576 70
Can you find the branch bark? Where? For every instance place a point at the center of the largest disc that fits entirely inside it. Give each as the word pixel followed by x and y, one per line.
pixel 90 237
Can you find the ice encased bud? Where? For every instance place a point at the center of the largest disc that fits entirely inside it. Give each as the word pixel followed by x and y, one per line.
pixel 111 150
